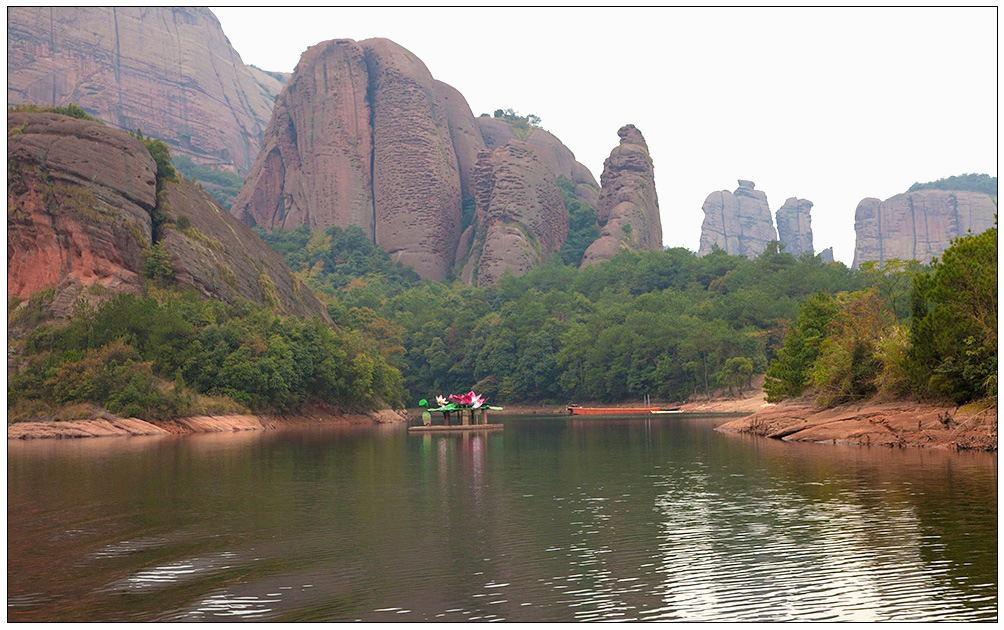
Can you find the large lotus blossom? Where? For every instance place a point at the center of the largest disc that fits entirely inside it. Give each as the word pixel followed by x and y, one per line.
pixel 470 398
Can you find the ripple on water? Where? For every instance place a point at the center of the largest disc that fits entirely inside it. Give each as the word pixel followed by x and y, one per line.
pixel 172 573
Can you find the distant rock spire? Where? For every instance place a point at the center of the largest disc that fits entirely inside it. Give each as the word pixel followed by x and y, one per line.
pixel 794 226
pixel 628 209
pixel 738 223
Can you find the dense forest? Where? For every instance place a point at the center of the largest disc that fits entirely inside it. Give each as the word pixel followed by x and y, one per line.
pixel 669 324
pixel 666 324
pixel 924 333
pixel 663 323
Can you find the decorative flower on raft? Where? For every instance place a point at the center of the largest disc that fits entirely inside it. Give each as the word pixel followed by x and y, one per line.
pixel 470 398
pixel 442 402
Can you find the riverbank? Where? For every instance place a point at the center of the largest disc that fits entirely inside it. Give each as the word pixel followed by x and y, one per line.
pixel 898 423
pixel 112 426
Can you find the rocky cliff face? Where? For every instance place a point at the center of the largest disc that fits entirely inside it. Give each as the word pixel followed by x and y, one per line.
pixel 169 71
pixel 520 217
pixel 315 165
pixel 80 197
pixel 738 223
pixel 794 226
pixel 628 207
pixel 555 155
pixel 416 179
pixel 364 135
pixel 918 225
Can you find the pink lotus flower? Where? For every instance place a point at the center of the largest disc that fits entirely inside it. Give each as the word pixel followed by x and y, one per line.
pixel 470 398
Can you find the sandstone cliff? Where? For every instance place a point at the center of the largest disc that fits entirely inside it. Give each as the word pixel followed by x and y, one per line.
pixel 628 207
pixel 363 135
pixel 794 226
pixel 738 223
pixel 80 197
pixel 559 158
pixel 918 225
pixel 315 164
pixel 416 179
pixel 169 71
pixel 520 216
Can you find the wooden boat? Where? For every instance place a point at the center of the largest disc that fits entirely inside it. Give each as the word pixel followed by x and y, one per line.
pixel 610 411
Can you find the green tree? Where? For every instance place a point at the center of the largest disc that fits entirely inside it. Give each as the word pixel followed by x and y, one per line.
pixel 954 324
pixel 789 375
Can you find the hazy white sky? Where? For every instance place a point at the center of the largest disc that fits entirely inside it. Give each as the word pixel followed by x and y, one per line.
pixel 827 104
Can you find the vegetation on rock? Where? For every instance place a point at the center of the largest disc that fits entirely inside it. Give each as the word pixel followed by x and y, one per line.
pixel 221 185
pixel 71 110
pixel 974 182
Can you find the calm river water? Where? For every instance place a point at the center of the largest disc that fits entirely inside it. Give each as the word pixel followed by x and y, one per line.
pixel 551 519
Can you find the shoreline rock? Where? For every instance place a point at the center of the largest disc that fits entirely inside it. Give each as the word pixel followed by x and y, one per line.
pixel 125 427
pixel 893 424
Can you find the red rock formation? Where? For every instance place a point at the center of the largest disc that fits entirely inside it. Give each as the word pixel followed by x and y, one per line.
pixel 628 209
pixel 557 157
pixel 169 71
pixel 363 135
pixel 918 225
pixel 315 165
pixel 224 259
pixel 794 226
pixel 738 223
pixel 416 180
pixel 80 197
pixel 521 218
pixel 465 132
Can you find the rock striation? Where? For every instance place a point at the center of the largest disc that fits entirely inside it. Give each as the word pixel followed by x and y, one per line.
pixel 738 223
pixel 315 166
pixel 520 216
pixel 169 71
pixel 794 226
pixel 80 199
pixel 918 225
pixel 416 179
pixel 628 206
pixel 362 134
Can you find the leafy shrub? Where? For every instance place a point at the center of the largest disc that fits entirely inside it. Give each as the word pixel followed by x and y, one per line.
pixel 71 110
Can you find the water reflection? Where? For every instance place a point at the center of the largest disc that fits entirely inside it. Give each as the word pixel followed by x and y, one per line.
pixel 550 520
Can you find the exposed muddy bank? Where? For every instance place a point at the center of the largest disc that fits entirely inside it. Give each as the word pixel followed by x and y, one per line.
pixel 900 423
pixel 113 426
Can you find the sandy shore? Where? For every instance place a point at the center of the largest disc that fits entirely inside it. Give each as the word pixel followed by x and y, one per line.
pixel 114 426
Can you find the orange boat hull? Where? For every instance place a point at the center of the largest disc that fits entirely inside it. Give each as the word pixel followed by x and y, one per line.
pixel 609 411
